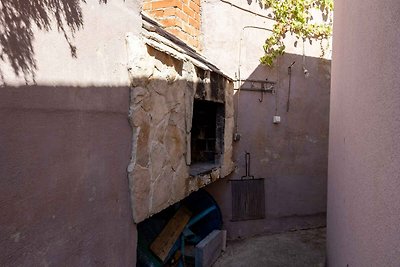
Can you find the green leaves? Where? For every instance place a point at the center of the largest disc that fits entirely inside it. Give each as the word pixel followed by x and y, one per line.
pixel 294 16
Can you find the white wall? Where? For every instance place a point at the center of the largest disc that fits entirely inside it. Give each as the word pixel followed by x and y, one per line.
pixel 100 43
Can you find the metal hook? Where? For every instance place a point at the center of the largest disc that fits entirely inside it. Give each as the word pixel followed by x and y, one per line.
pixel 262 97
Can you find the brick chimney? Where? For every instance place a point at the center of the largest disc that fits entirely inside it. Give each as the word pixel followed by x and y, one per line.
pixel 179 17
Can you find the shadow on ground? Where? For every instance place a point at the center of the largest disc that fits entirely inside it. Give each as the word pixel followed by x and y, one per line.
pixel 291 249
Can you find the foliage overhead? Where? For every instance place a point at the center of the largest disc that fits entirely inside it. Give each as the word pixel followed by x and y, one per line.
pixel 295 17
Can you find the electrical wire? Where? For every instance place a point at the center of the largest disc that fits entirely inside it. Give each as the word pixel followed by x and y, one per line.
pixel 247 10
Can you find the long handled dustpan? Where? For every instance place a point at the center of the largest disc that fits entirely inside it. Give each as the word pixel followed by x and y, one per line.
pixel 248 198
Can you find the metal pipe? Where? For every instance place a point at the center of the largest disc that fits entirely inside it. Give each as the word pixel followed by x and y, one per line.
pixel 200 216
pixel 268 90
pixel 258 81
pixel 290 83
pixel 239 77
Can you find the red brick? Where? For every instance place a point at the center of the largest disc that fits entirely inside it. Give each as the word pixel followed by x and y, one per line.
pixel 178 33
pixel 193 42
pixel 179 17
pixel 197 17
pixel 194 23
pixel 166 4
pixel 194 6
pixel 180 14
pixel 188 11
pixel 172 22
pixel 157 13
pixel 189 40
pixel 169 12
pixel 197 2
pixel 147 6
pixel 190 30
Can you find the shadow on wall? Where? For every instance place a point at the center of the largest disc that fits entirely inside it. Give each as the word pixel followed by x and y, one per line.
pixel 291 156
pixel 64 197
pixel 260 3
pixel 18 19
pixel 289 146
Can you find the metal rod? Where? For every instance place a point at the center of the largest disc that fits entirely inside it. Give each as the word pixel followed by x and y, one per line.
pixel 200 216
pixel 247 166
pixel 262 97
pixel 256 81
pixel 290 83
pixel 257 90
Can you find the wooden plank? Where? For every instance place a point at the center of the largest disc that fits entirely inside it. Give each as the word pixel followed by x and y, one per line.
pixel 171 232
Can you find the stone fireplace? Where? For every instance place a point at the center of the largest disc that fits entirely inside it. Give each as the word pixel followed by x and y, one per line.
pixel 181 114
pixel 206 135
pixel 205 148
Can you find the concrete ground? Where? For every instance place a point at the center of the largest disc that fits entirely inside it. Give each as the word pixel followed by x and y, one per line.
pixel 299 248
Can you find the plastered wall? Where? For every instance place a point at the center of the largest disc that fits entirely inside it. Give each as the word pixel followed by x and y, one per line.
pixel 291 156
pixel 363 180
pixel 65 138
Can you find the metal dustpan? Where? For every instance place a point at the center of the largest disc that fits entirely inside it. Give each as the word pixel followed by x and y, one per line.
pixel 248 197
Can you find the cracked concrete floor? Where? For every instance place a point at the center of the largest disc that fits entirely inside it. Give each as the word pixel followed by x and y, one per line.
pixel 299 248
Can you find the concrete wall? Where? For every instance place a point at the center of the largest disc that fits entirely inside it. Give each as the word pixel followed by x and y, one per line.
pixel 364 157
pixel 65 138
pixel 292 155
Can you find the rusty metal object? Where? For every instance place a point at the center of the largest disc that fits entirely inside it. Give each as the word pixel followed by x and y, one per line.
pixel 248 197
